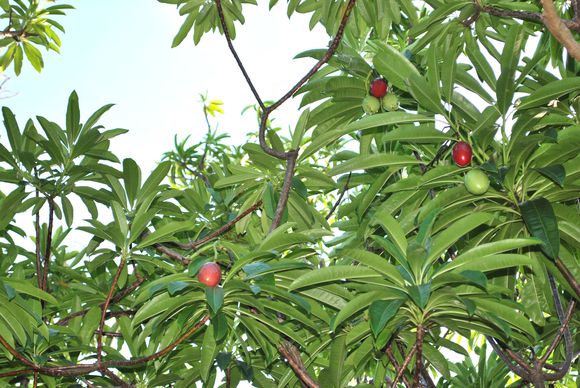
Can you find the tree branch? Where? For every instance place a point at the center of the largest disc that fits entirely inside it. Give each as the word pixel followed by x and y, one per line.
pixel 527 16
pixel 196 244
pixel 559 30
pixel 339 199
pixel 235 54
pixel 292 356
pixel 162 352
pixel 393 361
pixel 286 187
pixel 568 276
pixel 519 370
pixel 104 311
pixel 418 355
pixel 404 365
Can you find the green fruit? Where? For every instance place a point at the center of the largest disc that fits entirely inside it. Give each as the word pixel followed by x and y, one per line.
pixel 371 105
pixel 476 182
pixel 390 102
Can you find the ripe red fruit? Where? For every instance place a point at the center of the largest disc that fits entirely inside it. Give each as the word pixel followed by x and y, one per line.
pixel 210 274
pixel 462 154
pixel 379 87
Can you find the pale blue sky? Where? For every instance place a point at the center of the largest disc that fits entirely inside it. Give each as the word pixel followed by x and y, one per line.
pixel 119 51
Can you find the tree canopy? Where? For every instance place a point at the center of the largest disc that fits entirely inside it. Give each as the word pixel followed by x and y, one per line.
pixel 419 226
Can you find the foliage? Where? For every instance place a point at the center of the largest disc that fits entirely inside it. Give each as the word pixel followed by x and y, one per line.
pixel 30 25
pixel 351 251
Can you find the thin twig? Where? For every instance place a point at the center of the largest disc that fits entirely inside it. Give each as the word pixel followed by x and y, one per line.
pixel 19 372
pixel 160 353
pixel 104 311
pixel 196 244
pixel 110 314
pixel 292 356
pixel 340 196
pixel 116 379
pixel 235 54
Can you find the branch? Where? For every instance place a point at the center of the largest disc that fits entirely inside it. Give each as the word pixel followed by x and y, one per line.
pixel 418 355
pixel 196 244
pixel 527 16
pixel 570 278
pixel 116 379
pixel 286 187
pixel 16 373
pixel 325 58
pixel 339 199
pixel 558 28
pixel 393 361
pixel 110 314
pixel 406 362
pixel 519 370
pixel 104 311
pixel 160 353
pixel 292 356
pixel 563 331
pixel 235 54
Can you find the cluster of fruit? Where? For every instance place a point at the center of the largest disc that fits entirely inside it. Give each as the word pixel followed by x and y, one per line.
pixel 379 97
pixel 476 181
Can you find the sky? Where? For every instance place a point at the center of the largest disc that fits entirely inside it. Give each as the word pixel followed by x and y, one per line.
pixel 120 52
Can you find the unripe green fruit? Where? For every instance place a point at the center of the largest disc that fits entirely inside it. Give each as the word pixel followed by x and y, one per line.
pixel 371 105
pixel 476 182
pixel 390 102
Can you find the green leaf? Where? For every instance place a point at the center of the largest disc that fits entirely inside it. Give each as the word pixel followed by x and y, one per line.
pixel 25 287
pixel 549 92
pixel 509 60
pixel 416 134
pixel 73 116
pixel 184 29
pixel 151 185
pixel 363 162
pixel 556 173
pixel 381 312
pixel 215 298
pixel 382 119
pixel 394 66
pixel 300 129
pixel 420 294
pixel 338 351
pixel 208 352
pixel 165 233
pixel 541 221
pixel 33 55
pixel 332 274
pixel 425 95
pixel 376 262
pixel 132 178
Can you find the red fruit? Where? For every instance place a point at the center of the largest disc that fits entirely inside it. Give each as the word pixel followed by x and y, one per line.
pixel 210 274
pixel 379 87
pixel 462 154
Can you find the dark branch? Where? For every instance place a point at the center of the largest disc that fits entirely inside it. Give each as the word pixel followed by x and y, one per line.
pixel 196 244
pixel 404 365
pixel 160 353
pixel 527 16
pixel 48 247
pixel 104 308
pixel 292 356
pixel 235 54
pixel 340 196
pixel 286 187
pixel 570 278
pixel 393 361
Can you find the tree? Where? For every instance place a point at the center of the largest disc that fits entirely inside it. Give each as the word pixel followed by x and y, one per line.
pixel 352 251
